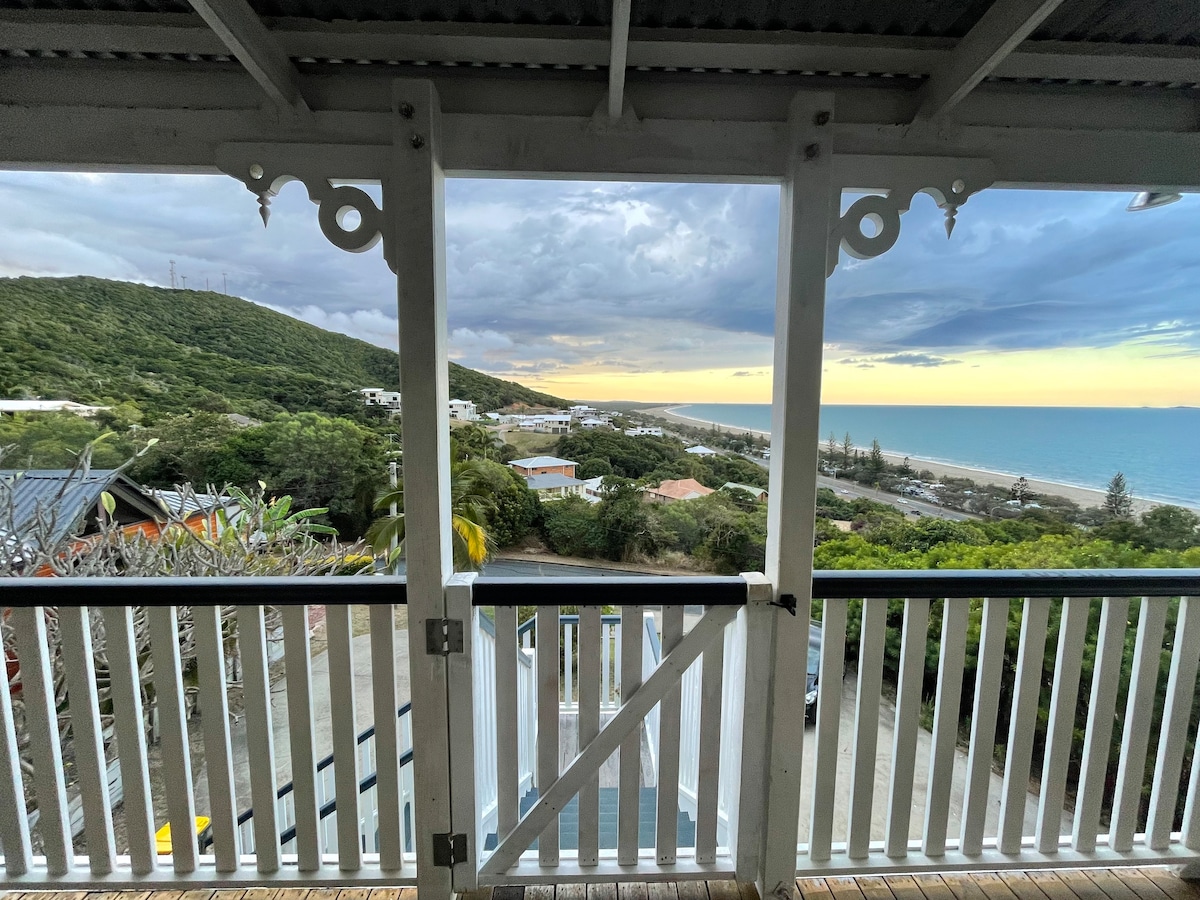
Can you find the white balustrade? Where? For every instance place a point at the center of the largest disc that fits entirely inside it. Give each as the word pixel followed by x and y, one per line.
pixel 662 694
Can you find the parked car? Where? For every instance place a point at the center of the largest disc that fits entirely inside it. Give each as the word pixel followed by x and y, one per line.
pixel 814 668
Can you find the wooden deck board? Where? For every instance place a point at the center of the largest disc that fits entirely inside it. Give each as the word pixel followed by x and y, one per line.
pixel 1150 883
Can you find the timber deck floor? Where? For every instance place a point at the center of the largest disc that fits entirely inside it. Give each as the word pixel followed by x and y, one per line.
pixel 1150 883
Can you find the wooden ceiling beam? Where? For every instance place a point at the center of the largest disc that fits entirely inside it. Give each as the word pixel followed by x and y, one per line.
pixel 997 33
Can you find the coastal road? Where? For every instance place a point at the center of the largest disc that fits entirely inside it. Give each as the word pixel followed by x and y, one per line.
pixel 849 490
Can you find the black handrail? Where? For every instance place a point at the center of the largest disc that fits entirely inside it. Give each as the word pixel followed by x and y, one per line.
pixel 327 761
pixel 272 590
pixel 631 590
pixel 331 806
pixel 943 583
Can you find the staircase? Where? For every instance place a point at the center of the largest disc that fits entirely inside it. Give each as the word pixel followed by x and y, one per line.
pixel 568 821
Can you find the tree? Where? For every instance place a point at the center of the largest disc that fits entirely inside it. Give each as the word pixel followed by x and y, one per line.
pixel 471 502
pixel 1020 491
pixel 847 449
pixel 1118 501
pixel 1169 528
pixel 333 463
pixel 595 468
pixel 875 461
pixel 831 447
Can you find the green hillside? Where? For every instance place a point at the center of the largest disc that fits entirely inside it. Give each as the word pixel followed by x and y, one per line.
pixel 98 341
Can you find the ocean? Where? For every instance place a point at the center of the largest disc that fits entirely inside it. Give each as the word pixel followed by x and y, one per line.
pixel 1157 449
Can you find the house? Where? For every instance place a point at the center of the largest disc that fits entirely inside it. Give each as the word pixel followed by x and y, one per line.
pixel 379 397
pixel 12 407
pixel 463 410
pixel 547 423
pixel 581 411
pixel 700 450
pixel 591 423
pixel 644 431
pixel 759 494
pixel 553 486
pixel 679 489
pixel 543 465
pixel 593 489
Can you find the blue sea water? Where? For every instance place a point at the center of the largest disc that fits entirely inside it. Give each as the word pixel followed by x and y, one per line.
pixel 1158 450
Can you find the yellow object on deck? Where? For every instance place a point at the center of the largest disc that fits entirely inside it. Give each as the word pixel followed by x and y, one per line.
pixel 162 837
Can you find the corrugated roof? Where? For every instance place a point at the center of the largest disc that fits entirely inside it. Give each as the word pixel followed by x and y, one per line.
pixel 56 497
pixel 550 480
pixel 537 462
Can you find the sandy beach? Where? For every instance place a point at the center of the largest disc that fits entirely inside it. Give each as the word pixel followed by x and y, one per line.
pixel 1085 497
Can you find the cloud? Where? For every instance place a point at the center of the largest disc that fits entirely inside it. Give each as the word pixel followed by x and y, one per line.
pixel 548 276
pixel 741 374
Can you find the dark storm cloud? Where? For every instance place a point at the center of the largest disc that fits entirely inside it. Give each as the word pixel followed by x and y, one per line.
pixel 629 277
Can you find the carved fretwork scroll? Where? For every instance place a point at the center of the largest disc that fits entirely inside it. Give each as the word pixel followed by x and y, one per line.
pixel 950 182
pixel 264 173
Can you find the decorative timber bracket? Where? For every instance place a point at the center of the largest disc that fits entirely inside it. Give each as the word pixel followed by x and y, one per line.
pixel 265 168
pixel 950 181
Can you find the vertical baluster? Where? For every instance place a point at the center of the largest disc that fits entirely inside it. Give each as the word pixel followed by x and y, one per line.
pixel 173 736
pixel 605 662
pixel 508 719
pixel 344 725
pixel 1060 730
pixel 75 627
pixel 667 833
pixel 297 661
pixel 951 660
pixel 709 768
pixel 1139 709
pixel 129 723
pixel 214 719
pixel 829 709
pixel 866 725
pixel 589 726
pixel 630 769
pixel 616 701
pixel 387 736
pixel 547 734
pixel 14 823
pixel 1172 739
pixel 260 736
pixel 568 698
pixel 907 721
pixel 1114 616
pixel 983 723
pixel 1022 726
pixel 41 720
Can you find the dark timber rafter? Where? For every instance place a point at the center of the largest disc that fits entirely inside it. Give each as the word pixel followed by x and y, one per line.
pixel 998 32
pixel 248 39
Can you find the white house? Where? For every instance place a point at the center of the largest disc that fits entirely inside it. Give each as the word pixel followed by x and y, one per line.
pixel 700 450
pixel 380 397
pixel 643 431
pixel 591 423
pixel 25 406
pixel 581 411
pixel 464 410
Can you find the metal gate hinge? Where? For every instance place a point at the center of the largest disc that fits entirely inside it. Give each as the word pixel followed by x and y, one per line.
pixel 443 636
pixel 449 849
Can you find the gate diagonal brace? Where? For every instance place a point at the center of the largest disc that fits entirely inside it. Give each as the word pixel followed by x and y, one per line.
pixel 710 628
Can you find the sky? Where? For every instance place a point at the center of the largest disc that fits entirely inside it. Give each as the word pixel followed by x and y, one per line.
pixel 608 291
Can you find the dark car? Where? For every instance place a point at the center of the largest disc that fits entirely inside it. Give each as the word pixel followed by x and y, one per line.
pixel 814 667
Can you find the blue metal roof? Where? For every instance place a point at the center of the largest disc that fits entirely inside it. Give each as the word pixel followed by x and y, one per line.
pixel 60 498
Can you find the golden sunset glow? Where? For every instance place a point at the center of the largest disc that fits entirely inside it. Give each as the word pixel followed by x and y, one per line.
pixel 1130 374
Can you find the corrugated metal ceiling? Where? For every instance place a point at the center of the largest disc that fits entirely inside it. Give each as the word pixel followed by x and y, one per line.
pixel 1149 21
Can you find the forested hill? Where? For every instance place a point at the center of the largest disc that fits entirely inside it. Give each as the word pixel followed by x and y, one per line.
pixel 98 341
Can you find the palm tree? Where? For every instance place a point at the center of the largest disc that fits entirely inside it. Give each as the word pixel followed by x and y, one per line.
pixel 470 503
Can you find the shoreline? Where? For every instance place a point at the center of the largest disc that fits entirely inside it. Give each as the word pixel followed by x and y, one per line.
pixel 1084 496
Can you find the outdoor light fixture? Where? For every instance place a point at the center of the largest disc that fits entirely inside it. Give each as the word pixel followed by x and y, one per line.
pixel 1151 199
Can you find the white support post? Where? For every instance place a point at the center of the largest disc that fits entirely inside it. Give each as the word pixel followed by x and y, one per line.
pixel 414 202
pixel 805 204
pixel 461 682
